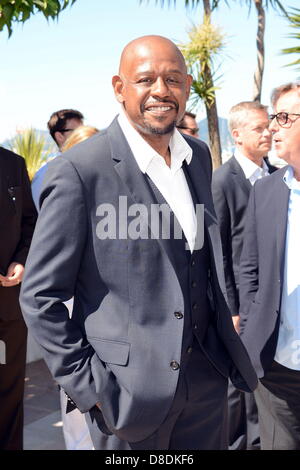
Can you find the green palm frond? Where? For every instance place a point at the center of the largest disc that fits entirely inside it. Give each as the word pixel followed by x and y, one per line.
pixel 205 42
pixel 33 148
pixel 294 19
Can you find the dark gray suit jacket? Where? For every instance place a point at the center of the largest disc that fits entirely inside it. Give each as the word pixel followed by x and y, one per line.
pixel 231 191
pixel 17 221
pixel 261 269
pixel 123 335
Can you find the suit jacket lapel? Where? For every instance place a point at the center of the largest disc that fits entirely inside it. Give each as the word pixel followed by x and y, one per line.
pixel 202 189
pixel 239 176
pixel 281 195
pixel 131 175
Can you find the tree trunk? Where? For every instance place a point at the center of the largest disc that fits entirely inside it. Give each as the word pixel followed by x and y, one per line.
pixel 213 128
pixel 211 111
pixel 207 8
pixel 258 76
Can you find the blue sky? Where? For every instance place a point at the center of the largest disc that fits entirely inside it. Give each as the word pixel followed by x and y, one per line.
pixel 69 63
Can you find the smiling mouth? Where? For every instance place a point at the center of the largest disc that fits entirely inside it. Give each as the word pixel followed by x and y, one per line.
pixel 159 109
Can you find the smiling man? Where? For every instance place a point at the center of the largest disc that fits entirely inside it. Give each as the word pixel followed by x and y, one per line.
pixel 150 345
pixel 270 281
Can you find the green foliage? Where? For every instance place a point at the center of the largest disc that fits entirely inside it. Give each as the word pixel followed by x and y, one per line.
pixel 206 41
pixel 294 18
pixel 188 3
pixel 20 10
pixel 32 147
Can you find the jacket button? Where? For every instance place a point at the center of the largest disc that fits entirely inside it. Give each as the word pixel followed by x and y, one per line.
pixel 178 315
pixel 189 350
pixel 174 365
pixel 193 262
pixel 194 284
pixel 195 306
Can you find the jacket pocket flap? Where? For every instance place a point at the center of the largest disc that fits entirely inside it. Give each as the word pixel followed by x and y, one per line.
pixel 113 352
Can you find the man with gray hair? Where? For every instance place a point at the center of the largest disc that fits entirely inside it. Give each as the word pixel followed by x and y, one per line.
pixel 270 281
pixel 231 186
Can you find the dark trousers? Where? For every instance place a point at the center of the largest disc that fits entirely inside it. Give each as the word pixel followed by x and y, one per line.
pixel 13 334
pixel 243 427
pixel 278 402
pixel 197 419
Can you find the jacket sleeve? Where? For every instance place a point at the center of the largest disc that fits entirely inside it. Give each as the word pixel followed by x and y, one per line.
pixel 50 279
pixel 249 272
pixel 28 218
pixel 223 215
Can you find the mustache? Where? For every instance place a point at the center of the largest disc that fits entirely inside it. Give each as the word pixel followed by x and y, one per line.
pixel 158 102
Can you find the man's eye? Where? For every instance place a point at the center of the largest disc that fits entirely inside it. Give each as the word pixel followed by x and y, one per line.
pixel 144 80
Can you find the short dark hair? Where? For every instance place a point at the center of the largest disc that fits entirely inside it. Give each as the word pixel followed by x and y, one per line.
pixel 58 120
pixel 187 113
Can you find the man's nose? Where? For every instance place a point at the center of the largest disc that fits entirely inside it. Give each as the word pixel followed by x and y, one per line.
pixel 273 126
pixel 267 132
pixel 160 88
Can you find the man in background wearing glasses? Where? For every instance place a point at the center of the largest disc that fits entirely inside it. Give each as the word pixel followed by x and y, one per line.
pixel 270 281
pixel 61 124
pixel 188 125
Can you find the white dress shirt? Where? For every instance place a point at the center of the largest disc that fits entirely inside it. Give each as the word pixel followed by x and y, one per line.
pixel 252 171
pixel 170 181
pixel 288 345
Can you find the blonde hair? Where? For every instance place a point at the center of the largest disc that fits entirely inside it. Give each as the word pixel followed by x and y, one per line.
pixel 238 114
pixel 281 90
pixel 80 134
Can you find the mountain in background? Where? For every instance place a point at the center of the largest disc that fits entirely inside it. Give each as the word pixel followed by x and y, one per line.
pixel 225 137
pixel 226 140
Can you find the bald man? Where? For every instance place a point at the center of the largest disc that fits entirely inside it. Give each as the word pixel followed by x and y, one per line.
pixel 150 345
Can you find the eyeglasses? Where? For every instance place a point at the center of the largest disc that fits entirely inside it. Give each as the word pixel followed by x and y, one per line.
pixel 65 130
pixel 283 118
pixel 193 130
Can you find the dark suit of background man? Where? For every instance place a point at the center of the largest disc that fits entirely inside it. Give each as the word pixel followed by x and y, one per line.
pixel 150 344
pixel 231 186
pixel 270 281
pixel 17 220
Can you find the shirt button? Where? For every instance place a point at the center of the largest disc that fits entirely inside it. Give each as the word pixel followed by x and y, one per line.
pixel 178 315
pixel 194 284
pixel 174 365
pixel 189 350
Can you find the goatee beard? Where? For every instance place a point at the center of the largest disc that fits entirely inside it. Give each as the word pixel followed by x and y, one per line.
pixel 159 130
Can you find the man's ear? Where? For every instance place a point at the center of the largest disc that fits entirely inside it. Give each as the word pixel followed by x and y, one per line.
pixel 117 84
pixel 189 82
pixel 236 136
pixel 59 138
